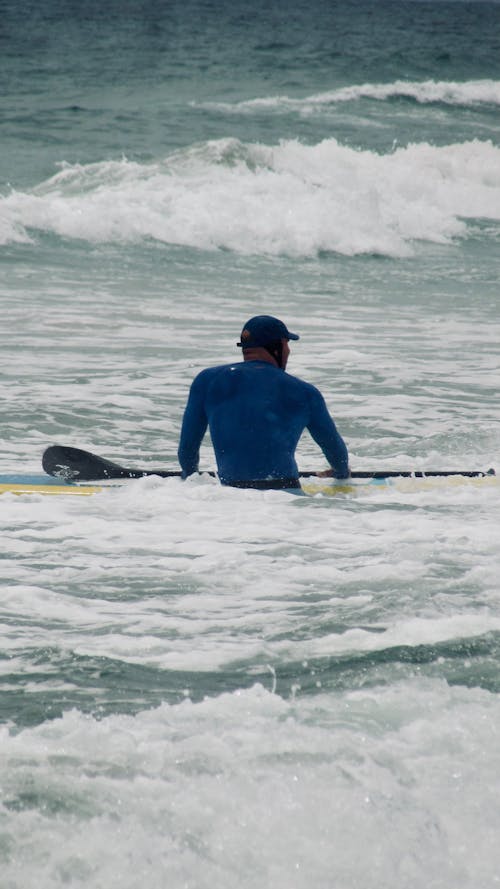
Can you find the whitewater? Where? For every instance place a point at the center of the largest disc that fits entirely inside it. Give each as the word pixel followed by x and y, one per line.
pixel 326 197
pixel 470 93
pixel 203 686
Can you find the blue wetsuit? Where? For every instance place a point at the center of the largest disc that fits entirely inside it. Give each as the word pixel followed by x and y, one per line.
pixel 256 413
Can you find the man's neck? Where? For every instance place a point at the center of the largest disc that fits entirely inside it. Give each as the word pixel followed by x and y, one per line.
pixel 259 354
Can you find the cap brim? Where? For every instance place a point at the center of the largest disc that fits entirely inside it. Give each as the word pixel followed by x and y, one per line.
pixel 293 336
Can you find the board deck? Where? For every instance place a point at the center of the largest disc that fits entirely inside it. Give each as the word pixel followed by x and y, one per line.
pixel 411 485
pixel 43 484
pixel 46 484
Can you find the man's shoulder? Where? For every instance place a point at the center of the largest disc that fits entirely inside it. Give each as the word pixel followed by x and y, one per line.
pixel 306 387
pixel 220 368
pixel 206 375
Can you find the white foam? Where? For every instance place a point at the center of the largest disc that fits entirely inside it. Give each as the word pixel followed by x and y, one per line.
pixel 239 580
pixel 469 93
pixel 290 198
pixel 249 790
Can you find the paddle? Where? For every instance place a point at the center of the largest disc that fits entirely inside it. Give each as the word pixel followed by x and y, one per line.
pixel 75 464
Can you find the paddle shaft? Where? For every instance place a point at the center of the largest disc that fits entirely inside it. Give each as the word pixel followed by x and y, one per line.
pixel 74 463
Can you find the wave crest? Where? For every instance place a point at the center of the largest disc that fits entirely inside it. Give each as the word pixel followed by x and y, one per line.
pixel 291 199
pixel 468 93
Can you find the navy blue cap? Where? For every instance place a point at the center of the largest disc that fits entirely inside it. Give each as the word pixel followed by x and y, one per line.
pixel 263 330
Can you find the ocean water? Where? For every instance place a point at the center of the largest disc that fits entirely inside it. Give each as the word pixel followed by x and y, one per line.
pixel 207 687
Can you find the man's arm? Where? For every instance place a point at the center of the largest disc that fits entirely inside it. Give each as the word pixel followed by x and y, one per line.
pixel 325 434
pixel 194 425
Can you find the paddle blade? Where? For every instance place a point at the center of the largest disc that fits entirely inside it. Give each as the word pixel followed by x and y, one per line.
pixel 73 464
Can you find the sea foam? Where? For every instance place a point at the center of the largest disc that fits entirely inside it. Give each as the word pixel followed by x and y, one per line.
pixel 467 93
pixel 291 199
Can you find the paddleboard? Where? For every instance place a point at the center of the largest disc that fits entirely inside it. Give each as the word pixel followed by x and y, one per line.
pixel 46 484
pixel 43 484
pixel 411 484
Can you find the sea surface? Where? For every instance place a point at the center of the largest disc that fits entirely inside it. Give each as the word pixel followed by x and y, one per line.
pixel 206 687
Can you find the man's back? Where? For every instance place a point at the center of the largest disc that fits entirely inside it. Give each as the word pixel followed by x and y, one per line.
pixel 256 413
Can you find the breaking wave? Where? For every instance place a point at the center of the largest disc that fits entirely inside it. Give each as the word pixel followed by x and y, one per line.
pixel 468 93
pixel 290 199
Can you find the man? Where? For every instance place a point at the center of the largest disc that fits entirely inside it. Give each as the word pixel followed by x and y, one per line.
pixel 256 413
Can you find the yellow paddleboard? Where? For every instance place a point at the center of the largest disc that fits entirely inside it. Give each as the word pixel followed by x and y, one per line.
pixel 71 490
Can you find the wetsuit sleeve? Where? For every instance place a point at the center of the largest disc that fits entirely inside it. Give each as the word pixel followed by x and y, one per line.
pixel 194 425
pixel 325 434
